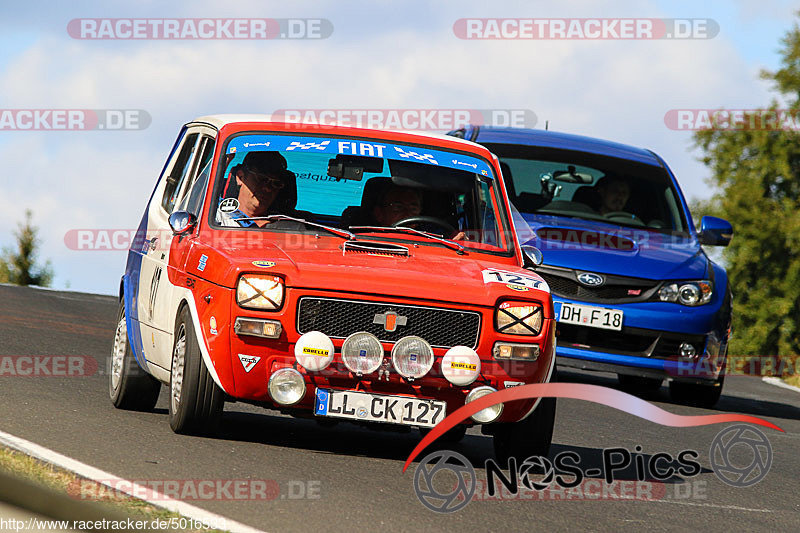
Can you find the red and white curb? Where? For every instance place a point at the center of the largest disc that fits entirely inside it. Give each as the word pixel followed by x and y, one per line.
pixel 120 485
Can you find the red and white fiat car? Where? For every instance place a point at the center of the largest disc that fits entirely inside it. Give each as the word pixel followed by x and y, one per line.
pixel 333 272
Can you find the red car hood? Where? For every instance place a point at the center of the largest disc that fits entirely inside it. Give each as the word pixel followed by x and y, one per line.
pixel 429 272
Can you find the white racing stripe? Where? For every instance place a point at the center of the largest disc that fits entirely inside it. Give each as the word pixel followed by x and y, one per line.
pixel 120 485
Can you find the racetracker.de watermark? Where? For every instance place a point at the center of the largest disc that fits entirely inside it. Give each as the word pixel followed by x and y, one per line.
pixel 48 365
pixel 409 119
pixel 733 119
pixel 195 489
pixel 119 239
pixel 199 28
pixel 758 366
pixel 73 119
pixel 585 28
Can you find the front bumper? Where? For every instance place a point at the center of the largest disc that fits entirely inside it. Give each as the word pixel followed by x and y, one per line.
pixel 273 354
pixel 649 343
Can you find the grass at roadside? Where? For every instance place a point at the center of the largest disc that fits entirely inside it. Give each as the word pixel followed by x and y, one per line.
pixel 24 466
pixel 793 380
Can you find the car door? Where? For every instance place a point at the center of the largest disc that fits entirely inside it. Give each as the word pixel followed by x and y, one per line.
pixel 156 291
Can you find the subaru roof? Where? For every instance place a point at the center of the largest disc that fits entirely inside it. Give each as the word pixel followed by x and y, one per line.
pixel 564 141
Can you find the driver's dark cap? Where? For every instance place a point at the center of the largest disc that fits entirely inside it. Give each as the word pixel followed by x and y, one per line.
pixel 270 163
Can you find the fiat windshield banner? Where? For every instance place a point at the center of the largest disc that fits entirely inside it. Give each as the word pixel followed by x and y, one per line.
pixel 368 148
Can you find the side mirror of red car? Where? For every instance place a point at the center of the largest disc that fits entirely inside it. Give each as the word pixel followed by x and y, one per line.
pixel 533 256
pixel 182 222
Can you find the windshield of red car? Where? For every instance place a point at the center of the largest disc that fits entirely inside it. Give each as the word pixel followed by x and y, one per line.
pixel 345 182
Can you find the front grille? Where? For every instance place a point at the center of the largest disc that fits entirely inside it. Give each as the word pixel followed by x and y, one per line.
pixel 616 289
pixel 629 341
pixel 442 328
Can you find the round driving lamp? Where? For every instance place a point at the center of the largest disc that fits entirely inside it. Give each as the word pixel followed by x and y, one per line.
pixel 412 357
pixel 286 386
pixel 362 353
pixel 490 414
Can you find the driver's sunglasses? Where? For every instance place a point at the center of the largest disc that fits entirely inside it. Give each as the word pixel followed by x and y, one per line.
pixel 400 207
pixel 269 182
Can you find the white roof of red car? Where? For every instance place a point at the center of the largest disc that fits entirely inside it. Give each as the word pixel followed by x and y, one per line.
pixel 218 121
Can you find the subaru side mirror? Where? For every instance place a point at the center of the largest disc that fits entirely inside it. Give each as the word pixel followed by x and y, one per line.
pixel 715 231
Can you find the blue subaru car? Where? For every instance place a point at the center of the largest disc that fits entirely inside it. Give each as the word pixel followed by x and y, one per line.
pixel 634 292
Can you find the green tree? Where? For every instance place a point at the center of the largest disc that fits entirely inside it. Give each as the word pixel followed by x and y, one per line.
pixel 19 267
pixel 756 176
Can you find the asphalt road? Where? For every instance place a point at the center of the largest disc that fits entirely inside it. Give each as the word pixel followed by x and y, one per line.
pixel 358 472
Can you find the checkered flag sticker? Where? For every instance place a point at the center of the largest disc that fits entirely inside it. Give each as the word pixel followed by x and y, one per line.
pixel 419 157
pixel 307 146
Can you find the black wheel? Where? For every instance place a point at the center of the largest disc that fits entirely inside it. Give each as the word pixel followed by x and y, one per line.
pixel 129 386
pixel 195 401
pixel 531 436
pixel 451 437
pixel 695 394
pixel 638 385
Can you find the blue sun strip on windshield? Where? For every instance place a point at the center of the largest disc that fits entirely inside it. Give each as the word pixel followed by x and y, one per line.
pixel 338 145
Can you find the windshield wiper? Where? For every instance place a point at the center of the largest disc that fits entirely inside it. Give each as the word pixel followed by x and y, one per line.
pixel 411 231
pixel 343 233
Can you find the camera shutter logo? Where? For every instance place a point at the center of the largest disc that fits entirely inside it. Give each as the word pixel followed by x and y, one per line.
pixel 445 461
pixel 724 465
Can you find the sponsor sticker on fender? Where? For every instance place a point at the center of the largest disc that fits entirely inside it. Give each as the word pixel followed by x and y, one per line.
pixel 518 288
pixel 248 361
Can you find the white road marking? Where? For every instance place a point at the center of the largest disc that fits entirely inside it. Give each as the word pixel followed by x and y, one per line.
pixel 119 484
pixel 715 506
pixel 778 382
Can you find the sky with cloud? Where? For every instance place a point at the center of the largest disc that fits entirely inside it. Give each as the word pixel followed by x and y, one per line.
pixel 381 54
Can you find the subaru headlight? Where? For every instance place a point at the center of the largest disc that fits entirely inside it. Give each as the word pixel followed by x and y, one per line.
pixel 691 293
pixel 257 291
pixel 516 318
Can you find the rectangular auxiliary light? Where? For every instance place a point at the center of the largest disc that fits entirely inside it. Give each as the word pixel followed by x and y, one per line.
pixel 518 352
pixel 257 327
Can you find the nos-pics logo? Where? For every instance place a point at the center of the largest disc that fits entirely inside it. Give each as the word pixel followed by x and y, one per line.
pixel 442 495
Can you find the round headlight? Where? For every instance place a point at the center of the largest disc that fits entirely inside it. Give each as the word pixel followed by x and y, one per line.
pixel 668 293
pixel 689 294
pixel 314 351
pixel 490 414
pixel 362 353
pixel 287 386
pixel 412 357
